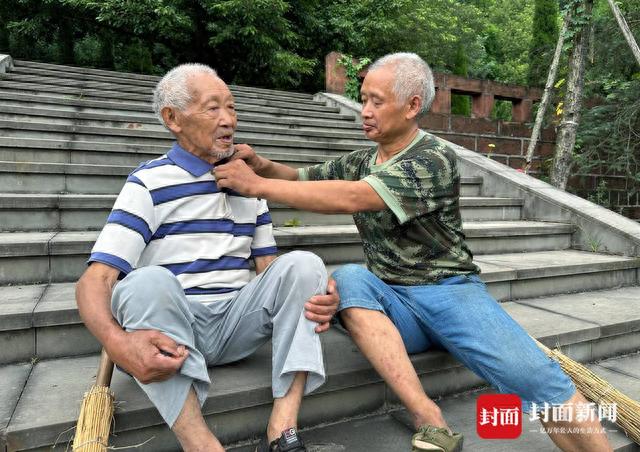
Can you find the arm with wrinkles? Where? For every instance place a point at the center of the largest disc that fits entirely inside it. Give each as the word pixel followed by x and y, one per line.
pixel 328 196
pixel 146 354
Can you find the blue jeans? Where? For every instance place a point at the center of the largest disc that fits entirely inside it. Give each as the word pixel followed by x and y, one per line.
pixel 459 315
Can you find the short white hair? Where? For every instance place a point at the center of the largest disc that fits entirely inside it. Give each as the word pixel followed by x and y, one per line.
pixel 173 90
pixel 413 77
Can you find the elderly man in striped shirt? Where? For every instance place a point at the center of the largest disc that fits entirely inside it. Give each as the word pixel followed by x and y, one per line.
pixel 186 301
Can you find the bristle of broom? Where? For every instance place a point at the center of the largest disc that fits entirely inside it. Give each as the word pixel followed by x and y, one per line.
pixel 601 392
pixel 94 422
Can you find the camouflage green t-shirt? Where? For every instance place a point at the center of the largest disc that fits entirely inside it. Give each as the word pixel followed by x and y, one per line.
pixel 418 239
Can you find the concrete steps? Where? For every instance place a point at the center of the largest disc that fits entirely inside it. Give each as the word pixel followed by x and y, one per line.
pixel 81 73
pixel 31 257
pixel 113 94
pixel 55 114
pixel 41 320
pixel 623 372
pixel 71 81
pixel 249 133
pixel 68 139
pixel 46 394
pixel 75 103
pixel 37 177
pixel 150 127
pixel 391 429
pixel 79 212
pixel 63 150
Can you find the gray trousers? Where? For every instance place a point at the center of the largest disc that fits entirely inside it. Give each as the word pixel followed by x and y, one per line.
pixel 271 306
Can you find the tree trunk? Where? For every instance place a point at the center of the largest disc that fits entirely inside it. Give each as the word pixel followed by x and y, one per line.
pixel 542 108
pixel 625 30
pixel 566 139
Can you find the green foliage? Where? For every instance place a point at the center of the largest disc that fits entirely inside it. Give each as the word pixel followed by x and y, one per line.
pixel 502 110
pixel 609 132
pixel 608 136
pixel 134 57
pixel 578 19
pixel 259 41
pixel 504 35
pixel 292 223
pixel 543 41
pixel 88 51
pixel 352 86
pixel 276 43
pixel 601 194
pixel 460 105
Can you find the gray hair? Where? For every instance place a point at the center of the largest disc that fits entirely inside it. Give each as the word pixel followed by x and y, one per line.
pixel 413 77
pixel 173 90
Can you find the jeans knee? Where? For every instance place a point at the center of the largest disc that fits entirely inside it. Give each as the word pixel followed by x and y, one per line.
pixel 350 272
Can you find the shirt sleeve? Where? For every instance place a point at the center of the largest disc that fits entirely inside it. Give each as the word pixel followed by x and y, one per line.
pixel 128 230
pixel 342 168
pixel 418 186
pixel 263 243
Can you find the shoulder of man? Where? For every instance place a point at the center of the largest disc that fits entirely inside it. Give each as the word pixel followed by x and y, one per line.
pixel 431 145
pixel 361 154
pixel 431 158
pixel 144 171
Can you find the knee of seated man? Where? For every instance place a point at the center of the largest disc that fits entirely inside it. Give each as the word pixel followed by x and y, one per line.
pixel 349 273
pixel 537 379
pixel 303 266
pixel 153 284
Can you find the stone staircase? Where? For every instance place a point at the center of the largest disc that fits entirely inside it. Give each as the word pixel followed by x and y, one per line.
pixel 68 138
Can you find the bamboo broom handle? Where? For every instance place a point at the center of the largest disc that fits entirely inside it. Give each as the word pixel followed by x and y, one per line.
pixel 105 370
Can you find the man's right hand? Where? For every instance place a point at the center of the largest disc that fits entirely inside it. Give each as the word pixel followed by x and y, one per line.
pixel 149 355
pixel 246 153
pixel 262 166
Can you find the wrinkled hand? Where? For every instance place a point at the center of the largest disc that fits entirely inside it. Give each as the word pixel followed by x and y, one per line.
pixel 150 356
pixel 237 176
pixel 246 153
pixel 320 308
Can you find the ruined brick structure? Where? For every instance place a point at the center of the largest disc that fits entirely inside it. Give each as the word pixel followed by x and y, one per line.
pixel 504 141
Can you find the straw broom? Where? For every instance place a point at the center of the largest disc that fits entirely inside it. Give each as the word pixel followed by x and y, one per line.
pixel 96 412
pixel 600 391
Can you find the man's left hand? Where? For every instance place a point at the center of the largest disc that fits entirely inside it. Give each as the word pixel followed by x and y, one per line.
pixel 237 176
pixel 320 308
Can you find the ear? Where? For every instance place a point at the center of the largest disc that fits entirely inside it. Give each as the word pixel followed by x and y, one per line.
pixel 170 118
pixel 413 107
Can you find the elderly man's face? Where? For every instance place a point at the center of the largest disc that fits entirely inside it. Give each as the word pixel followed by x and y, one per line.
pixel 384 119
pixel 207 125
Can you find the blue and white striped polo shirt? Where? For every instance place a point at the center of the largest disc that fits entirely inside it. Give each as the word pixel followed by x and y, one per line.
pixel 171 213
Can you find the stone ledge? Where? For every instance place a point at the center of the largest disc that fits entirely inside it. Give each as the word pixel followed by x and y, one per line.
pixel 112 92
pixel 242 133
pixel 84 73
pixel 13 244
pixel 75 101
pixel 346 106
pixel 6 63
pixel 28 306
pixel 132 120
pixel 244 387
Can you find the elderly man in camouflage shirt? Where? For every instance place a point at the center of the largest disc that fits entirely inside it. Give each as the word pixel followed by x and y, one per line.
pixel 420 289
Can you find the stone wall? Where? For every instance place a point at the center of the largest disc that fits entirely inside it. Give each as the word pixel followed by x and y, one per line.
pixel 502 141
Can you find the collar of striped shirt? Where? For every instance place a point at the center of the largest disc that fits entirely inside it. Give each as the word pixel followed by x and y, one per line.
pixel 193 164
